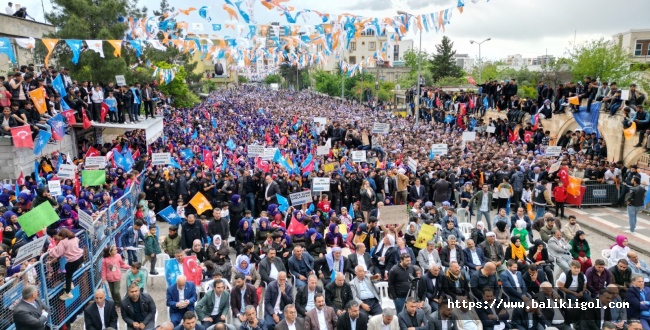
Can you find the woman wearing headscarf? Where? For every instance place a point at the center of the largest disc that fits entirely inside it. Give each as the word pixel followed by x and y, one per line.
pixel 317 224
pixel 218 253
pixel 411 236
pixel 478 233
pixel 263 229
pixel 368 199
pixel 580 250
pixel 521 232
pixel 383 257
pixel 538 254
pixel 501 230
pixel 315 244
pixel 619 250
pixel 236 210
pixel 516 252
pixel 244 266
pixel 198 251
pixel 333 237
pixel 24 202
pixel 68 218
pixel 243 235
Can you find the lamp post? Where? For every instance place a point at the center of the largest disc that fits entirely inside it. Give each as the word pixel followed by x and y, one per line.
pixel 480 61
pixel 417 99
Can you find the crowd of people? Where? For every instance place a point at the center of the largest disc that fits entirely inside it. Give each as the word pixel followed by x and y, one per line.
pixel 325 263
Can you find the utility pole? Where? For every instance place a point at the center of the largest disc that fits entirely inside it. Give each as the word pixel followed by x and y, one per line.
pixel 419 55
pixel 480 61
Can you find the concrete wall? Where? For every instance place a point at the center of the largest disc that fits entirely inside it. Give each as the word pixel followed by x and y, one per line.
pixel 13 27
pixel 14 160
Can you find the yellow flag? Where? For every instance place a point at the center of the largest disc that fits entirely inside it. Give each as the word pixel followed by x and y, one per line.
pixel 426 234
pixel 630 131
pixel 117 45
pixel 574 100
pixel 200 203
pixel 574 186
pixel 49 44
pixel 38 97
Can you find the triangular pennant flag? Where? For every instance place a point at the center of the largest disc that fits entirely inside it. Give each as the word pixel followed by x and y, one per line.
pixel 96 46
pixel 49 44
pixel 75 46
pixel 117 46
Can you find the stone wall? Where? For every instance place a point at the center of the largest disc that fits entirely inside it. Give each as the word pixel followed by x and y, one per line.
pixel 13 27
pixel 14 160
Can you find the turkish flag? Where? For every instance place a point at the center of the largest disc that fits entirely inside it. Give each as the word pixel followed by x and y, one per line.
pixel 92 152
pixel 22 136
pixel 69 116
pixel 191 269
pixel 207 158
pixel 21 179
pixel 136 155
pixel 296 227
pixel 77 185
pixel 471 80
pixel 86 122
pixel 283 141
pixel 262 165
pixel 276 129
pixel 103 112
pixel 528 135
pixel 563 175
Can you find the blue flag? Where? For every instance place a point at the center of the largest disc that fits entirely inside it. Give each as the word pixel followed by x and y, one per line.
pixel 283 203
pixel 75 46
pixel 137 46
pixel 431 155
pixel 187 153
pixel 351 211
pixel 64 105
pixel 58 86
pixel 214 122
pixel 173 163
pixel 231 144
pixel 38 177
pixel 7 49
pixel 59 161
pixel 172 271
pixel 170 215
pixel 349 167
pixel 195 135
pixel 224 166
pixel 41 141
pixel 128 158
pixel 58 126
pixel 311 209
pixel 280 160
pixel 242 124
pixel 120 160
pixel 588 121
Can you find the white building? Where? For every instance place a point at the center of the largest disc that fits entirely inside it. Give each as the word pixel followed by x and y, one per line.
pixel 464 61
pixel 636 43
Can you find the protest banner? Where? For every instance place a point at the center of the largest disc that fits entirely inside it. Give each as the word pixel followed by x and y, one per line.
pixel 553 150
pixel 380 128
pixel 322 150
pixel 469 136
pixel 161 158
pixel 427 232
pixel 320 184
pixel 255 150
pixel 98 162
pixel 66 171
pixel 412 164
pixel 268 153
pixel 55 187
pixel 439 149
pixel 37 219
pixel 329 167
pixel 491 129
pixel 394 214
pixel 86 221
pixel 300 198
pixel 30 250
pixel 359 156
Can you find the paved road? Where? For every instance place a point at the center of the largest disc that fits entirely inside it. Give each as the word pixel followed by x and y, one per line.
pixel 601 224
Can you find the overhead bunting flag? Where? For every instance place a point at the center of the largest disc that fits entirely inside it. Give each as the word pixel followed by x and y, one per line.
pixel 75 46
pixel 200 203
pixel 7 49
pixel 27 43
pixel 49 44
pixel 38 98
pixel 96 46
pixel 22 137
pixel 117 46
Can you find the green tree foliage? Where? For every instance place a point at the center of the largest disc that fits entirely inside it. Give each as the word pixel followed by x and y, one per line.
pixel 242 79
pixel 386 90
pixel 96 20
pixel 291 74
pixel 411 61
pixel 601 58
pixel 273 79
pixel 328 83
pixel 442 63
pixel 208 86
pixel 178 88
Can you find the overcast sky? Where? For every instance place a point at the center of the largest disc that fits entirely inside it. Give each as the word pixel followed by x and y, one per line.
pixel 527 27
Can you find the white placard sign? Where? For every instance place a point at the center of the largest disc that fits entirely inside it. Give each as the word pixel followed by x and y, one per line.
pixel 380 128
pixel 359 156
pixel 320 184
pixel 255 150
pixel 55 187
pixel 66 171
pixel 322 150
pixel 469 136
pixel 98 162
pixel 625 94
pixel 439 149
pixel 269 153
pixel 413 164
pixel 121 81
pixel 30 250
pixel 161 158
pixel 300 198
pixel 321 120
pixel 553 150
pixel 86 221
pixel 491 129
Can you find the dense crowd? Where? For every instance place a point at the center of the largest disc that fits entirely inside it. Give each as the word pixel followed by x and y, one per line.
pixel 334 262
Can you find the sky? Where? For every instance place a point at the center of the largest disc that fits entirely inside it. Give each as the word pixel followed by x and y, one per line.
pixel 527 27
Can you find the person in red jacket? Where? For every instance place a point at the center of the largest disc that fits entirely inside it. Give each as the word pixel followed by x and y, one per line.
pixel 560 194
pixel 324 204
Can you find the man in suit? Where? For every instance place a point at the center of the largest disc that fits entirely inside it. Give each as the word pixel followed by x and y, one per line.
pixel 189 322
pixel 445 314
pixel 237 303
pixel 352 319
pixel 494 315
pixel 101 313
pixel 333 260
pixel 30 313
pixel 205 308
pixel 322 317
pixel 515 289
pixel 412 317
pixel 417 192
pixel 180 299
pixel 429 256
pixel 305 296
pixel 430 287
pixel 536 175
pixel 138 310
pixel 338 293
pixel 365 293
pixel 278 294
pixel 493 251
pixel 270 266
pixel 359 257
pixel 291 319
pixel 387 320
pixel 474 257
pixel 301 265
pixel 270 189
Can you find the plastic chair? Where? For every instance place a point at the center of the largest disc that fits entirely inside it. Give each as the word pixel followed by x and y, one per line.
pixel 606 253
pixel 383 294
pixel 161 258
pixel 466 229
pixel 462 215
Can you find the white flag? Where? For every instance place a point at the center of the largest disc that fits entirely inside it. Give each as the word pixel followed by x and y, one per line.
pixel 157 44
pixel 96 46
pixel 28 43
pixel 220 158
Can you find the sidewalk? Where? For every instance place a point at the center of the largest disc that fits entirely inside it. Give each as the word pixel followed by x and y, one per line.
pixel 611 222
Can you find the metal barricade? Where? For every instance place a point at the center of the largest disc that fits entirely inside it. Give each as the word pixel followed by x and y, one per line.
pixel 600 195
pixel 11 292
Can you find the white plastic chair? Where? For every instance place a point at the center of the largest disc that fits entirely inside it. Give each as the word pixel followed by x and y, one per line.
pixel 466 229
pixel 383 294
pixel 161 258
pixel 462 215
pixel 606 253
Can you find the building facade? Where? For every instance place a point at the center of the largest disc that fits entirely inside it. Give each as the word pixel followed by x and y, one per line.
pixel 636 43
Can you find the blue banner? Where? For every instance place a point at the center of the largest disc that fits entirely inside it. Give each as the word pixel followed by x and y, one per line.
pixel 7 49
pixel 75 46
pixel 137 46
pixel 588 121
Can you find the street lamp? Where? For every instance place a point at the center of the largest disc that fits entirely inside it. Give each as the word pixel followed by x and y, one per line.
pixel 480 62
pixel 417 99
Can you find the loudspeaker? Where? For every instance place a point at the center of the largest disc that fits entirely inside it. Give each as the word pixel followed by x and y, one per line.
pixel 218 69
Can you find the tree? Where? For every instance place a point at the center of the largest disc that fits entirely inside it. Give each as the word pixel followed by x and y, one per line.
pixel 442 63
pixel 273 79
pixel 95 20
pixel 600 59
pixel 556 72
pixel 327 83
pixel 178 88
pixel 291 74
pixel 411 60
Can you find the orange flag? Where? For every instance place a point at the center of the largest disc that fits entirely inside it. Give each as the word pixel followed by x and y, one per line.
pixel 38 97
pixel 49 44
pixel 574 100
pixel 200 203
pixel 574 186
pixel 117 45
pixel 630 131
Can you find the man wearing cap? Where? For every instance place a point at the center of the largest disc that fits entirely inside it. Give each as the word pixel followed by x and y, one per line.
pixel 493 251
